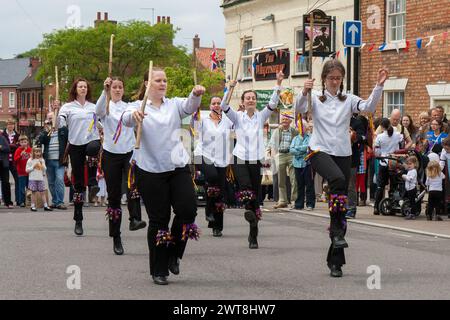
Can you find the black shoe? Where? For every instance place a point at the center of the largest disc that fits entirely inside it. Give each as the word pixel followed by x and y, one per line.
pixel 137 224
pixel 118 249
pixel 33 209
pixel 375 212
pixel 161 280
pixel 253 237
pixel 336 271
pixel 339 242
pixel 48 209
pixel 174 265
pixel 78 228
pixel 217 233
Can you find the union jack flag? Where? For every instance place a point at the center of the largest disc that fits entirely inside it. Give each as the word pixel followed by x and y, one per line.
pixel 214 58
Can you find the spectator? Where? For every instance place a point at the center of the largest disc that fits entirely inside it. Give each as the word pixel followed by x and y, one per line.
pixel 280 144
pixel 437 113
pixel 21 156
pixel 442 113
pixel 408 123
pixel 435 136
pixel 54 147
pixel 424 122
pixel 35 167
pixel 4 171
pixel 395 123
pixel 13 139
pixel 303 170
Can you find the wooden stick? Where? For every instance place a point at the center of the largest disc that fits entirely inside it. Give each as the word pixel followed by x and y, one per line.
pixel 55 114
pixel 195 78
pixel 311 38
pixel 108 94
pixel 236 72
pixel 144 103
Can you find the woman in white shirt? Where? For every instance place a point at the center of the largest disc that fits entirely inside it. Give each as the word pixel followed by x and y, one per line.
pixel 330 146
pixel 118 146
pixel 249 151
pixel 385 144
pixel 163 177
pixel 213 154
pixel 80 118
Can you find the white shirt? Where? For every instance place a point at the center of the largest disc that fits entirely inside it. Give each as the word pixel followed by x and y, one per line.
pixel 410 179
pixel 127 140
pixel 161 148
pixel 435 184
pixel 250 131
pixel 385 145
pixel 332 119
pixel 34 174
pixel 444 158
pixel 214 141
pixel 78 118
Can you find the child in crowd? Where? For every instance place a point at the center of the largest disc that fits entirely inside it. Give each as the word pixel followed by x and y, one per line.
pixel 434 187
pixel 410 185
pixel 101 195
pixel 35 168
pixel 21 156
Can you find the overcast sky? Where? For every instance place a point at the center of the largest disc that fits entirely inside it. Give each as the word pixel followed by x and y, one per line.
pixel 22 22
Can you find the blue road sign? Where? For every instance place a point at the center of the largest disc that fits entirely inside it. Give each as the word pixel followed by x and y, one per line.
pixel 352 34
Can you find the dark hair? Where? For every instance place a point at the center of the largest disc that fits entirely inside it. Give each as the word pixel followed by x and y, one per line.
pixel 412 129
pixel 141 93
pixel 386 125
pixel 118 79
pixel 73 90
pixel 247 91
pixel 329 66
pixel 213 97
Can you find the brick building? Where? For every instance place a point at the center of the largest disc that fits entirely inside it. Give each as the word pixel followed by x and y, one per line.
pixel 419 78
pixel 202 55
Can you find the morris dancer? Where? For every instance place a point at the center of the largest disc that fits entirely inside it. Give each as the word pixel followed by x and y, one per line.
pixel 330 147
pixel 163 176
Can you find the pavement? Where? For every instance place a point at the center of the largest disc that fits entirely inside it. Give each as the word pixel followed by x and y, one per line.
pixel 39 250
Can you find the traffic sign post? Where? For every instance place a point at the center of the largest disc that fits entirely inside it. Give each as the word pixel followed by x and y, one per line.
pixel 352 33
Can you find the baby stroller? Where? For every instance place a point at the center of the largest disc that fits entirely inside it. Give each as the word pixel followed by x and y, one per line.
pixel 396 201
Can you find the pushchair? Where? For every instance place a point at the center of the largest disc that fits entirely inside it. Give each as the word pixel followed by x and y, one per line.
pixel 396 201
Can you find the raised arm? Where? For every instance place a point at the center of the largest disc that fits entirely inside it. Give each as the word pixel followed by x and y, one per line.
pixel 100 107
pixel 188 106
pixel 301 102
pixel 370 104
pixel 229 112
pixel 132 114
pixel 273 103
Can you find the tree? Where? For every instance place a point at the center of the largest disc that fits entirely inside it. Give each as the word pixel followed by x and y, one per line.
pixel 85 53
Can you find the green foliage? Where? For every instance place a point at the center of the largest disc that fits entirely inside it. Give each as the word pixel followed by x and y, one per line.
pixel 85 53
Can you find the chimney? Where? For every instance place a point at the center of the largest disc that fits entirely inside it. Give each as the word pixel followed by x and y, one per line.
pixel 168 20
pixel 99 15
pixel 106 16
pixel 34 64
pixel 196 42
pixel 163 20
pixel 159 20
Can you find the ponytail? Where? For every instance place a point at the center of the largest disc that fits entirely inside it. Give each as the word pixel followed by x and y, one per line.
pixel 390 131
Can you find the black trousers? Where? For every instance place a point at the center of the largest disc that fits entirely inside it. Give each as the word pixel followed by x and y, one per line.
pixel 215 177
pixel 161 192
pixel 6 186
pixel 78 161
pixel 115 168
pixel 411 196
pixel 434 202
pixel 383 179
pixel 248 175
pixel 336 170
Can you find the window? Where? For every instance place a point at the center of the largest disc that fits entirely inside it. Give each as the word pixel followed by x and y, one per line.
pixel 1 100
pixel 393 100
pixel 22 102
pixel 247 63
pixel 12 99
pixel 396 20
pixel 28 100
pixel 32 100
pixel 301 63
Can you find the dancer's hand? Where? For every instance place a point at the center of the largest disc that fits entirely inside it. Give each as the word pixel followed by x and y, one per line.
pixel 138 116
pixel 107 84
pixel 309 84
pixel 280 78
pixel 383 74
pixel 198 91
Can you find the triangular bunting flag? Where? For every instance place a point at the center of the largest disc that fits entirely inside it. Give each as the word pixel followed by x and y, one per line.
pixel 345 51
pixel 371 47
pixel 337 54
pixel 429 43
pixel 302 59
pixel 323 59
pixel 397 47
pixel 381 48
pixel 407 45
pixel 362 46
pixel 254 65
pixel 419 43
